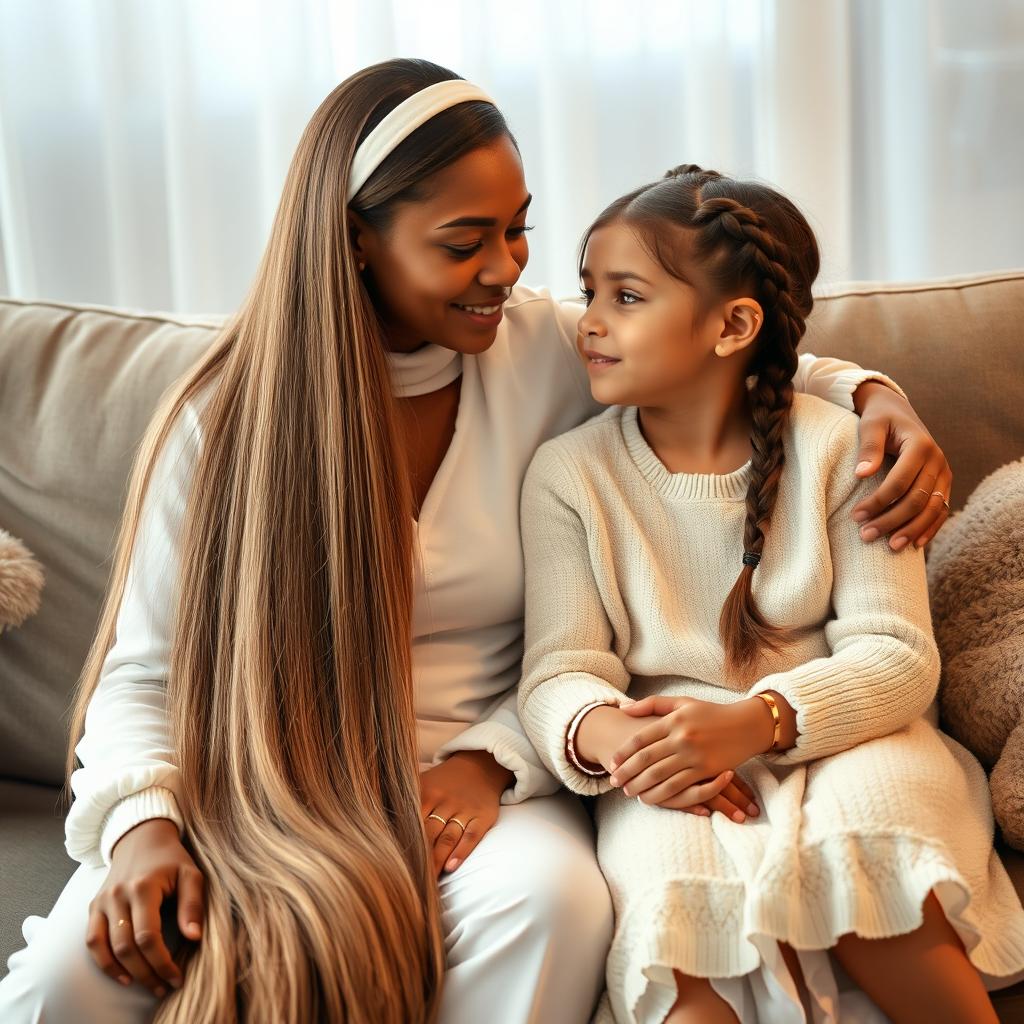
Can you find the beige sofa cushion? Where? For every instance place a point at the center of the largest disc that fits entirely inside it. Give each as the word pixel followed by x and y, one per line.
pixel 77 388
pixel 955 346
pixel 78 385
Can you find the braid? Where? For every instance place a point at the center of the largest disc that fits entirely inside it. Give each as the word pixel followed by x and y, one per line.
pixel 756 253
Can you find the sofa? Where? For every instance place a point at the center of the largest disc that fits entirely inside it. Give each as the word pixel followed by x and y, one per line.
pixel 79 383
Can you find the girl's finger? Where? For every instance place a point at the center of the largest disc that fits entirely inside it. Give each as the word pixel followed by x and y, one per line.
pixel 641 761
pixel 672 786
pixel 911 505
pixel 658 774
pixel 122 942
pixel 897 481
pixel 741 798
pixel 650 734
pixel 476 829
pixel 698 792
pixel 727 805
pixel 97 939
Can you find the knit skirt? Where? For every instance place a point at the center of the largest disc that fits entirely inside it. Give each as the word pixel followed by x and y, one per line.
pixel 851 843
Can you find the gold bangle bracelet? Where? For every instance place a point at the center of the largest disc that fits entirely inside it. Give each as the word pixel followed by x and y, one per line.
pixel 776 719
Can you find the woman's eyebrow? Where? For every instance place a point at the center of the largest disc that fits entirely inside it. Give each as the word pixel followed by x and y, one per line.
pixel 480 222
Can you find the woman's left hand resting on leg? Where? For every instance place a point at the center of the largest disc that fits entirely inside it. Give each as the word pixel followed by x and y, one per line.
pixel 459 801
pixel 912 503
pixel 692 740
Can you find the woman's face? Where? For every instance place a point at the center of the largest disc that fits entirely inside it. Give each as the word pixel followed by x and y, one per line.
pixel 443 268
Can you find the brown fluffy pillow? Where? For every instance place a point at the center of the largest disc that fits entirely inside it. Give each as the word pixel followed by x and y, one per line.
pixel 976 582
pixel 21 582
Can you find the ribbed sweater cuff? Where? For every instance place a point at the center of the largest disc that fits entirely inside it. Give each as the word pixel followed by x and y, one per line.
pixel 837 708
pixel 154 802
pixel 548 712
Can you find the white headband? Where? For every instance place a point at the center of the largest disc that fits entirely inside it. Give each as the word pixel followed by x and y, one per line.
pixel 417 109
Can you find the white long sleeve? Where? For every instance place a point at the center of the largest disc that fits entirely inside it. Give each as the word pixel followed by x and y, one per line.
pixel 128 772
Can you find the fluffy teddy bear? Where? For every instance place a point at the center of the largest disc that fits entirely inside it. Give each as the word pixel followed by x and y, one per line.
pixel 21 582
pixel 976 583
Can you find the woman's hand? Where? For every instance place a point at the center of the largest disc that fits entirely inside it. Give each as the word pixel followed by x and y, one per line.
pixel 692 740
pixel 148 863
pixel 912 503
pixel 459 800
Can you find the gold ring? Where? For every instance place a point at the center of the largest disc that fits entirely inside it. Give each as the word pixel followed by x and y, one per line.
pixel 922 490
pixel 121 922
pixel 459 823
pixel 437 817
pixel 943 497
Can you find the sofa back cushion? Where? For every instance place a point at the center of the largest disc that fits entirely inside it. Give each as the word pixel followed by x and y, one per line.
pixel 79 384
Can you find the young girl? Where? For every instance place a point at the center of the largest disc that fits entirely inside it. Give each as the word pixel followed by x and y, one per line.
pixel 694 548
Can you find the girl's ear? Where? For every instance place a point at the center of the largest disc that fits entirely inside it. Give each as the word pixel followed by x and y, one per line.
pixel 741 323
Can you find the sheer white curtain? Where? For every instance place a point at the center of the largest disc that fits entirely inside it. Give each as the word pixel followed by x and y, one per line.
pixel 143 143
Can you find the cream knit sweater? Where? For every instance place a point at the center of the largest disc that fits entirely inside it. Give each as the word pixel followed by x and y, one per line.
pixel 627 569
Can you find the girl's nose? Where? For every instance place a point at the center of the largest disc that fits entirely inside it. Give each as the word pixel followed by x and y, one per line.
pixel 590 324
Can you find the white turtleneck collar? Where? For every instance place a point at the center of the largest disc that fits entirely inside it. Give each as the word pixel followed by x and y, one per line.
pixel 427 369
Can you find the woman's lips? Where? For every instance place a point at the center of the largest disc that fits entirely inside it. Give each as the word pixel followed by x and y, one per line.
pixel 485 314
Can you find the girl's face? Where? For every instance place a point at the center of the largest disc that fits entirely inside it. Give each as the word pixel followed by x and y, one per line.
pixel 645 338
pixel 443 269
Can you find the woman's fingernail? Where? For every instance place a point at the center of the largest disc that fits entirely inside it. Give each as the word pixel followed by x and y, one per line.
pixel 899 543
pixel 124 979
pixel 452 864
pixel 626 792
pixel 868 533
pixel 738 816
pixel 863 467
pixel 860 517
pixel 194 929
pixel 753 810
pixel 613 780
pixel 920 542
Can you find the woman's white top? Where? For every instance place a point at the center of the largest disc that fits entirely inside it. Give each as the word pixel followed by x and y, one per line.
pixel 529 386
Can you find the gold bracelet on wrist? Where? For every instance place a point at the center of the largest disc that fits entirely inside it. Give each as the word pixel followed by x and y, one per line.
pixel 773 706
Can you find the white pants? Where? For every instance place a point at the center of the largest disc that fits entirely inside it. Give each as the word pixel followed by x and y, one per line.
pixel 527 920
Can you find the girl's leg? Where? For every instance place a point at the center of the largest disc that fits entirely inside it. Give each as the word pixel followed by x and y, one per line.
pixel 54 977
pixel 698 1003
pixel 528 920
pixel 924 975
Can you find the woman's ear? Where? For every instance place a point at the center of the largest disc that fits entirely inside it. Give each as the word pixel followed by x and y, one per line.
pixel 360 234
pixel 741 323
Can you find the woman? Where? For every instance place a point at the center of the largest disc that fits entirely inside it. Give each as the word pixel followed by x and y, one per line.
pixel 322 487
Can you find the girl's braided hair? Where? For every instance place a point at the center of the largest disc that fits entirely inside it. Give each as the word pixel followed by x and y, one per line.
pixel 739 238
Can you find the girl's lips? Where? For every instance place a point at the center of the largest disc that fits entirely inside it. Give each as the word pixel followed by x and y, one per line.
pixel 601 365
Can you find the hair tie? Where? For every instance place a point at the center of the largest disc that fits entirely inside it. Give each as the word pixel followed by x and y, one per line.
pixel 413 111
pixel 751 558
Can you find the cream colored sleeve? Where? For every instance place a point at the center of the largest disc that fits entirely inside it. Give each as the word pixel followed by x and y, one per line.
pixel 835 380
pixel 883 671
pixel 569 660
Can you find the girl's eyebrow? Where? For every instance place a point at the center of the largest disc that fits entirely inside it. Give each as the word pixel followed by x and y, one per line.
pixel 481 222
pixel 619 275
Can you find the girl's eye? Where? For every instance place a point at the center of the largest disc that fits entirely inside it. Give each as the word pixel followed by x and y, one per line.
pixel 588 295
pixel 628 298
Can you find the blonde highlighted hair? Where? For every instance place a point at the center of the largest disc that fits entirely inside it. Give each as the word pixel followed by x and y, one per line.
pixel 289 692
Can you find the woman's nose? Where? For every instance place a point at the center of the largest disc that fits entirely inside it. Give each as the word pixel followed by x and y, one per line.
pixel 502 269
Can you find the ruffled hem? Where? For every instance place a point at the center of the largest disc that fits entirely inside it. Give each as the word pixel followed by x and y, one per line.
pixel 873 885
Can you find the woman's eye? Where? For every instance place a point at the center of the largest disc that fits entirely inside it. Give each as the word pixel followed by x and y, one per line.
pixel 463 252
pixel 520 231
